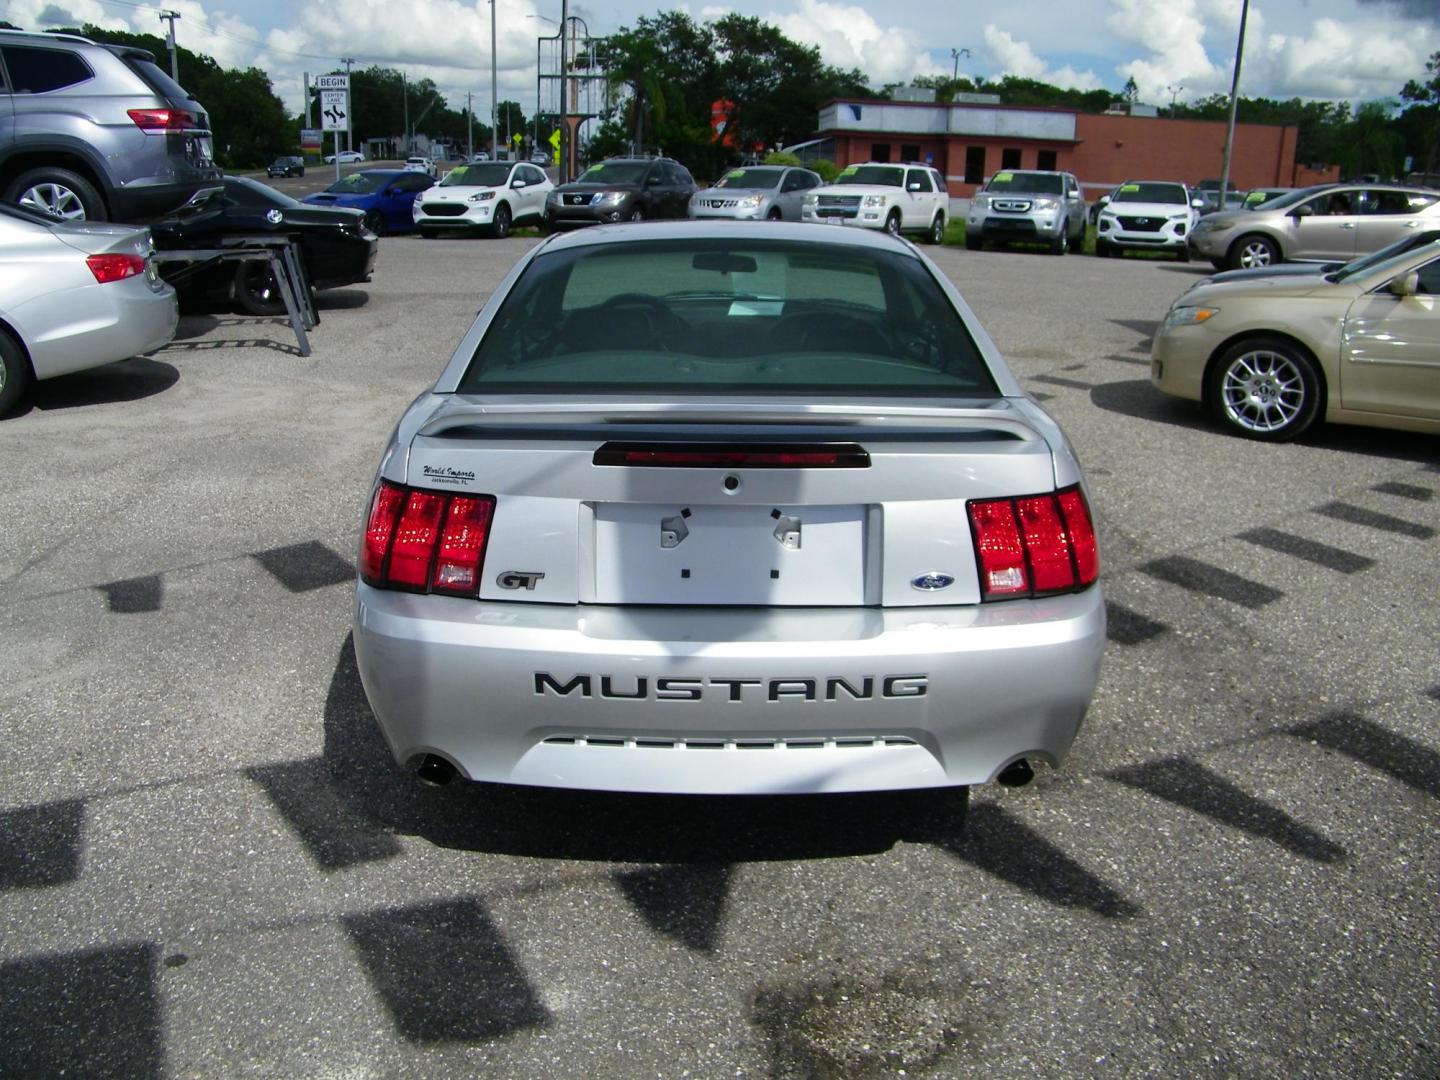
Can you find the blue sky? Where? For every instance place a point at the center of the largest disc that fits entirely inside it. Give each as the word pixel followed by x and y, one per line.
pixel 1354 50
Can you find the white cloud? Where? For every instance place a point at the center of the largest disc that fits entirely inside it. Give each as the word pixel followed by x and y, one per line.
pixel 849 37
pixel 1327 58
pixel 1017 58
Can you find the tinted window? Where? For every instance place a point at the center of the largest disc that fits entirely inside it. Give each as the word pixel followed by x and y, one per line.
pixel 532 174
pixel 766 176
pixel 415 182
pixel 726 316
pixel 1386 202
pixel 359 183
pixel 489 174
pixel 35 71
pixel 1030 183
pixel 919 178
pixel 156 79
pixel 1147 192
pixel 883 175
pixel 613 172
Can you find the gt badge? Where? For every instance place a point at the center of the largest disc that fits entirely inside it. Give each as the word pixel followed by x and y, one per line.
pixel 518 579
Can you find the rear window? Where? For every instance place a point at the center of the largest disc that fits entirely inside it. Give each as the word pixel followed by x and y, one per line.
pixel 728 317
pixel 157 79
pixel 37 71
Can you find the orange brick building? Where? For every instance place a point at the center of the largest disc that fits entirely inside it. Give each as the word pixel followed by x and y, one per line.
pixel 970 142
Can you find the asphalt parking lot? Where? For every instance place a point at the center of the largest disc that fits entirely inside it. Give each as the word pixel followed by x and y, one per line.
pixel 209 865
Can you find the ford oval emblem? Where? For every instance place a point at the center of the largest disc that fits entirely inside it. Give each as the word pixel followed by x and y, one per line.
pixel 275 217
pixel 932 581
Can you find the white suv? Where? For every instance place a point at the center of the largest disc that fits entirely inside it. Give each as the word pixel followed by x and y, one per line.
pixel 1153 215
pixel 896 198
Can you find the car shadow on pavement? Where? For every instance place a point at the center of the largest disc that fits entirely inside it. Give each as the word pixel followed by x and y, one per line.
pixel 1140 399
pixel 126 380
pixel 377 795
pixel 341 299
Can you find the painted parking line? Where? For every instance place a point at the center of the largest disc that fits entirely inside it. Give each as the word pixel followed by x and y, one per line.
pixel 1405 491
pixel 1333 558
pixel 1358 515
pixel 1200 577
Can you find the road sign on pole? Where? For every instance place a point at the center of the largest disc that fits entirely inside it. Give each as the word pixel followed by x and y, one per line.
pixel 332 82
pixel 334 110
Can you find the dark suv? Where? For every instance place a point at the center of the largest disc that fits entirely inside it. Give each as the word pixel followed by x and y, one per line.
pixel 622 189
pixel 286 166
pixel 97 132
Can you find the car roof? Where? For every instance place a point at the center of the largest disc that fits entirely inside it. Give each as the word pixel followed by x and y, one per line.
pixel 721 229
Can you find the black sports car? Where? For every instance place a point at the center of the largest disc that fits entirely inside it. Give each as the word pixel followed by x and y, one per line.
pixel 286 166
pixel 335 246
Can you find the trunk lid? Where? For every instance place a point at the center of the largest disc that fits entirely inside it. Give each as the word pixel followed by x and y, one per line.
pixel 714 504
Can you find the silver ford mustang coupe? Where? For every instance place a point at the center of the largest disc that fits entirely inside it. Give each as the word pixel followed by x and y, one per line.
pixel 728 509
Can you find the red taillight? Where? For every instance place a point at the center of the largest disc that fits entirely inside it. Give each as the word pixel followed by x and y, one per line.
pixel 1034 546
pixel 425 541
pixel 115 267
pixel 163 119
pixel 462 546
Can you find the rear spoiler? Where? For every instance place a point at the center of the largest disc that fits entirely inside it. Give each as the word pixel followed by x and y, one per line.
pixel 572 419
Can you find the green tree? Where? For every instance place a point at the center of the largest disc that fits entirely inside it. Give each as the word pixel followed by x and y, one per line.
pixel 1422 115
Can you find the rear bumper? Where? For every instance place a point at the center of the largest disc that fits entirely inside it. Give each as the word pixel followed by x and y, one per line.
pixel 728 701
pixel 97 324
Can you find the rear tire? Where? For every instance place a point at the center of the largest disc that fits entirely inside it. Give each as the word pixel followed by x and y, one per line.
pixel 256 289
pixel 15 374
pixel 936 235
pixel 1252 252
pixel 60 193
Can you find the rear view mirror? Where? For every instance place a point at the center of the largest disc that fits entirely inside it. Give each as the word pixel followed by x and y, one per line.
pixel 723 262
pixel 1198 204
pixel 1405 284
pixel 1105 200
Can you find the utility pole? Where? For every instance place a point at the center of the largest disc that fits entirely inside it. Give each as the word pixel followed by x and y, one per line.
pixel 470 121
pixel 1234 101
pixel 170 17
pixel 405 95
pixel 349 101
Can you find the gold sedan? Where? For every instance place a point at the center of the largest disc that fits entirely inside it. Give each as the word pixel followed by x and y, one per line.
pixel 1270 355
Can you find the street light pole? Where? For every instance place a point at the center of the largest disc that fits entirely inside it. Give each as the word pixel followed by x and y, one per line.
pixel 494 85
pixel 955 55
pixel 1234 101
pixel 349 103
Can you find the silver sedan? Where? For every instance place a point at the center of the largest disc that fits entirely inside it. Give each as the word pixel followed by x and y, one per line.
pixel 755 193
pixel 732 509
pixel 75 295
